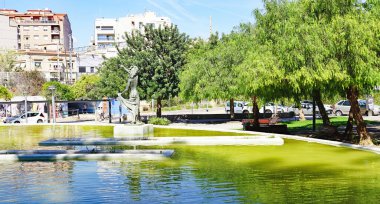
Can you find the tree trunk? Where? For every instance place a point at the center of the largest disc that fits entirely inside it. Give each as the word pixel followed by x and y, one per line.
pixel 232 109
pixel 321 108
pixel 255 110
pixel 361 127
pixel 350 124
pixel 158 111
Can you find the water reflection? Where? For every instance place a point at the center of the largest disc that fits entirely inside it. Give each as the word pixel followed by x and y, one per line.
pixel 297 172
pixel 28 137
pixel 35 182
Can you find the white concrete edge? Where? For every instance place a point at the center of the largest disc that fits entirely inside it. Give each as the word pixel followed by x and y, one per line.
pixel 373 149
pixel 160 141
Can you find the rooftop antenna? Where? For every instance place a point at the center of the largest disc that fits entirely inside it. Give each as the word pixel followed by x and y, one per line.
pixel 210 25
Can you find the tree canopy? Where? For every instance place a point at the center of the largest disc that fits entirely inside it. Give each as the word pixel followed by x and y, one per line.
pixel 8 61
pixel 112 78
pixel 5 93
pixel 85 87
pixel 211 69
pixel 62 91
pixel 159 53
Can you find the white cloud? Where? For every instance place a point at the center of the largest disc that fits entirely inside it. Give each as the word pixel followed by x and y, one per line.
pixel 180 9
pixel 171 14
pixel 174 9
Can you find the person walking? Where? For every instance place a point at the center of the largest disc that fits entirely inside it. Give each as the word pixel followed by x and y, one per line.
pixel 85 108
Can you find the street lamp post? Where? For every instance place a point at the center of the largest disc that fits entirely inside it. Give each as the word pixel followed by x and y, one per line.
pixel 26 107
pixel 52 89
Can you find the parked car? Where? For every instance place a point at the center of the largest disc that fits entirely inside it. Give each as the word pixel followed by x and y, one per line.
pixel 270 107
pixel 307 108
pixel 343 108
pixel 239 107
pixel 33 117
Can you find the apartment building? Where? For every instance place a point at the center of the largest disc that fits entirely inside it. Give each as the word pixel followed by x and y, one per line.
pixel 109 31
pixel 40 29
pixel 53 66
pixel 8 37
pixel 44 42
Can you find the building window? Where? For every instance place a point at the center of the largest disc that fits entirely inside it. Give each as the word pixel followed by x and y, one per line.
pixel 46 37
pixel 82 69
pixel 46 28
pixel 26 37
pixel 150 24
pixel 107 28
pixel 36 37
pixel 27 46
pixel 26 28
pixel 36 28
pixel 37 64
pixel 105 37
pixel 92 69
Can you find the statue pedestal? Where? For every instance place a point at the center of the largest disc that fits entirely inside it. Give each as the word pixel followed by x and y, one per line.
pixel 133 131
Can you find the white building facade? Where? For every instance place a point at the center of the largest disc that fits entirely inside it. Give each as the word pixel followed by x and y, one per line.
pixel 109 31
pixel 89 63
pixel 8 38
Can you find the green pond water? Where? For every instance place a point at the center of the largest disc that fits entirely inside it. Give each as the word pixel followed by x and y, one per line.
pixel 297 172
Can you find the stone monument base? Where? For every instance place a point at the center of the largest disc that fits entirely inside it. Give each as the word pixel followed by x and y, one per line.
pixel 133 131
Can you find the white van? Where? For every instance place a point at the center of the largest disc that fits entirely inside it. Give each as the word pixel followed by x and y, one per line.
pixel 33 117
pixel 239 107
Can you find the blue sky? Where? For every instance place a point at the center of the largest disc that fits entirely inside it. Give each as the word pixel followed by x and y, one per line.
pixel 191 16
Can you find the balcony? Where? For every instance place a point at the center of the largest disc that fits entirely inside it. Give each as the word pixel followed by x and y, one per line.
pixel 55 31
pixel 30 22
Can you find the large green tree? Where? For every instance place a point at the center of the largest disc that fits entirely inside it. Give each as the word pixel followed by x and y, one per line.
pixel 322 46
pixel 355 37
pixel 211 68
pixel 299 45
pixel 159 53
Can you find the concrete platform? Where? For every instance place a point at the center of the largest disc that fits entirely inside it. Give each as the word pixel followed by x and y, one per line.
pixel 161 141
pixel 56 155
pixel 130 130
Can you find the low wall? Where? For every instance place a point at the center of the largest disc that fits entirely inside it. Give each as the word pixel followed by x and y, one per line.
pixel 188 118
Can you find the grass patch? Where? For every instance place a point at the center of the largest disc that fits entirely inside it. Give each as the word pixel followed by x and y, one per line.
pixel 308 124
pixel 158 121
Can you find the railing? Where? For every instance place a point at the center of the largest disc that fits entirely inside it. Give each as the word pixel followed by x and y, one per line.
pixel 34 22
pixel 106 40
pixel 55 31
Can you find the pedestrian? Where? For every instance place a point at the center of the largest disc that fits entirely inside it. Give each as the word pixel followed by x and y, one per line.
pixel 84 108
